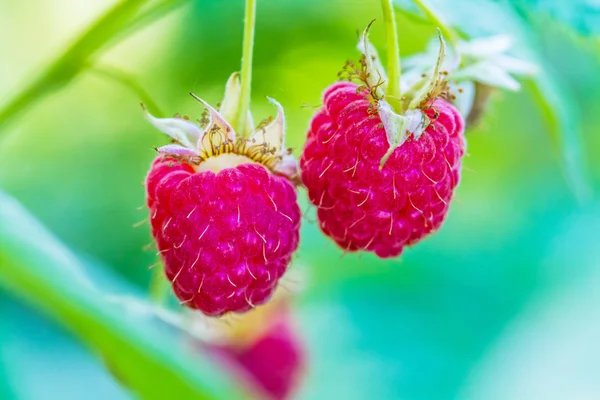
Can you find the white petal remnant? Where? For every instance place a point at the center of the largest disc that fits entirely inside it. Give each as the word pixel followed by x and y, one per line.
pixel 488 74
pixel 486 47
pixel 182 131
pixel 483 60
pixel 399 127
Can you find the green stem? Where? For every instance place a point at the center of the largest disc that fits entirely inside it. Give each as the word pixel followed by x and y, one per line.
pixel 149 15
pixel 446 30
pixel 246 74
pixel 394 71
pixel 129 81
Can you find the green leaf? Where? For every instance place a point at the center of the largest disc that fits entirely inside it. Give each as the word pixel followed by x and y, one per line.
pixel 157 11
pixel 583 16
pixel 127 80
pixel 119 21
pixel 562 118
pixel 487 18
pixel 148 358
pixel 6 389
pixel 29 346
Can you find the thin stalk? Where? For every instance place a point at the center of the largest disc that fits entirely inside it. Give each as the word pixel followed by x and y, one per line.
pixel 246 74
pixel 130 82
pixel 394 71
pixel 447 31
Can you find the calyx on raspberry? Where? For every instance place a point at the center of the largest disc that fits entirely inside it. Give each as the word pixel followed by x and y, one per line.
pixel 213 144
pixel 402 116
pixel 381 161
pixel 223 209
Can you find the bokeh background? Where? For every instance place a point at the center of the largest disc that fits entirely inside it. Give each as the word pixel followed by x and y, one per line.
pixel 501 303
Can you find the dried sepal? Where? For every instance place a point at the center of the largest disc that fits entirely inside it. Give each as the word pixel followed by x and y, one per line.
pixel 375 76
pixel 217 132
pixel 407 119
pixel 434 84
pixel 180 130
pixel 178 151
pixel 399 127
pixel 230 104
pixel 215 136
pixel 231 99
pixel 273 134
pixel 288 166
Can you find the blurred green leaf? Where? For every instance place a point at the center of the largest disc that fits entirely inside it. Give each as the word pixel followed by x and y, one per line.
pixel 114 25
pixel 65 67
pixel 550 350
pixel 144 357
pixel 488 18
pixel 558 107
pixel 31 344
pixel 127 80
pixel 6 390
pixel 582 16
pixel 157 11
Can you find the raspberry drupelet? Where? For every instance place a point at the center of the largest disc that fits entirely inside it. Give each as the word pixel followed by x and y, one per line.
pixel 223 209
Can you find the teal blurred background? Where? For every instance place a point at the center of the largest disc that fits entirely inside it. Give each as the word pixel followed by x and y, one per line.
pixel 501 303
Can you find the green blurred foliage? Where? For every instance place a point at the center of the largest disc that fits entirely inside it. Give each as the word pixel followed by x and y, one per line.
pixel 583 16
pixel 146 358
pixel 454 317
pixel 491 18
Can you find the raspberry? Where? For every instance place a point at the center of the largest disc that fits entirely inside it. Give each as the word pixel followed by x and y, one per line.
pixel 274 361
pixel 225 238
pixel 223 212
pixel 363 207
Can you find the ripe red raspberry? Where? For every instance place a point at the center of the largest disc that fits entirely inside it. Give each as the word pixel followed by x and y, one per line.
pixel 274 361
pixel 363 207
pixel 223 211
pixel 225 238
